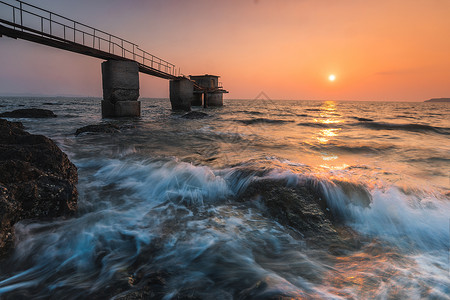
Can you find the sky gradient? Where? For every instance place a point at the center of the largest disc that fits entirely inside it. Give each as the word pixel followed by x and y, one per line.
pixel 378 50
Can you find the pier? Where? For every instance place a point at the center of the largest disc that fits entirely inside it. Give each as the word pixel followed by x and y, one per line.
pixel 123 60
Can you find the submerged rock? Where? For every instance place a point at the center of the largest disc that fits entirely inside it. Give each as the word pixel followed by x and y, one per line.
pixel 104 128
pixel 37 180
pixel 29 113
pixel 195 115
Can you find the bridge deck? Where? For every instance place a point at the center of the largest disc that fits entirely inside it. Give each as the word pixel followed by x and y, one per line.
pixel 34 24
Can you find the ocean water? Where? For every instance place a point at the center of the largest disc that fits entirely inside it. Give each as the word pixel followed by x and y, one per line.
pixel 159 211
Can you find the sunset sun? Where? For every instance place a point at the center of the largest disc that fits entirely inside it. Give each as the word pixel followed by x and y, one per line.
pixel 331 77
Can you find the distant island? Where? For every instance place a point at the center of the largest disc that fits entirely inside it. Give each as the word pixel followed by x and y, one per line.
pixel 438 100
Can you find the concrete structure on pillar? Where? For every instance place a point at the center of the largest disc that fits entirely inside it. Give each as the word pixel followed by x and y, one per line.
pixel 120 89
pixel 209 87
pixel 181 93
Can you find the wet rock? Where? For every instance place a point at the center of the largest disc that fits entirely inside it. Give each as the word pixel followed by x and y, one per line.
pixel 303 209
pixel 195 115
pixel 103 128
pixel 356 194
pixel 29 113
pixel 37 180
pixel 152 287
pixel 299 207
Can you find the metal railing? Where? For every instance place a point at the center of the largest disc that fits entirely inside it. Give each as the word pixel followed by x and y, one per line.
pixel 30 18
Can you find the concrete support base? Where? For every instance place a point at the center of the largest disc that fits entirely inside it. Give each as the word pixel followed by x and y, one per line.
pixel 121 109
pixel 215 99
pixel 181 94
pixel 120 89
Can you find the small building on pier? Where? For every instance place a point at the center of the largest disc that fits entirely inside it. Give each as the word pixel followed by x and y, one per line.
pixel 207 90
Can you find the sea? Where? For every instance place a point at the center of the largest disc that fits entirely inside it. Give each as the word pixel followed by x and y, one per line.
pixel 160 210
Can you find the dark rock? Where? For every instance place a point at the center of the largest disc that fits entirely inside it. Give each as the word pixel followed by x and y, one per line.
pixel 299 207
pixel 194 115
pixel 303 209
pixel 37 180
pixel 104 128
pixel 152 287
pixel 29 113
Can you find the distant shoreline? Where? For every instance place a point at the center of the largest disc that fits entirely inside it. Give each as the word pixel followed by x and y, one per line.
pixel 438 100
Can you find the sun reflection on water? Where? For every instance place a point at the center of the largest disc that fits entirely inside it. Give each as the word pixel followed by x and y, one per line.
pixel 328 115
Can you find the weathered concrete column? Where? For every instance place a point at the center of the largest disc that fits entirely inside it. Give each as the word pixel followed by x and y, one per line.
pixel 181 94
pixel 215 99
pixel 120 89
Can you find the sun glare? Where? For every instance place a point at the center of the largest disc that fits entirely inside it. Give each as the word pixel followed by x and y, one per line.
pixel 331 77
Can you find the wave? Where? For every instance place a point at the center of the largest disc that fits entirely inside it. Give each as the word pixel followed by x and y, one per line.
pixel 372 148
pixel 417 221
pixel 265 121
pixel 431 159
pixel 52 103
pixel 363 119
pixel 406 127
pixel 181 230
pixel 250 112
pixel 319 125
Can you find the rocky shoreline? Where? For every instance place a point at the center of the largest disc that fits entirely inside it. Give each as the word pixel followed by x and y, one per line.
pixel 37 180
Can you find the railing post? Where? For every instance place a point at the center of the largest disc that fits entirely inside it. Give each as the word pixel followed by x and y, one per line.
pixel 74 31
pixel 21 17
pixel 14 17
pixel 93 40
pixel 50 22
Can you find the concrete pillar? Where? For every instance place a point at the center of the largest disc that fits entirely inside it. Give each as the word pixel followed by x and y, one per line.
pixel 181 94
pixel 120 89
pixel 215 99
pixel 205 100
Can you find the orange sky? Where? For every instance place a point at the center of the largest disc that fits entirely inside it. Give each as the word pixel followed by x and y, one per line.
pixel 378 50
